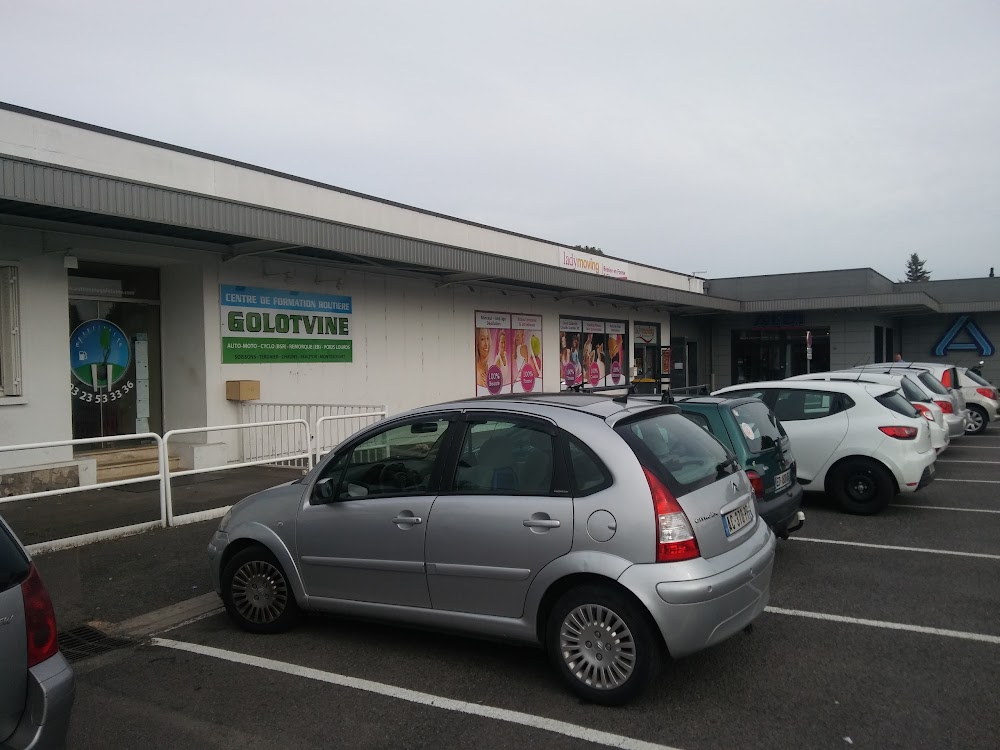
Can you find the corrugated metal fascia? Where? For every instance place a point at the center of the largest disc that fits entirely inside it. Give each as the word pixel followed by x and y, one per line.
pixel 908 299
pixel 61 188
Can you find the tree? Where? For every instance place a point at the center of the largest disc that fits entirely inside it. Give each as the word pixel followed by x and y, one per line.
pixel 915 270
pixel 588 249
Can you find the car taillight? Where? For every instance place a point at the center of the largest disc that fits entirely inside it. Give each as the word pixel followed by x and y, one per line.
pixel 674 536
pixel 40 619
pixel 987 393
pixel 946 379
pixel 757 483
pixel 924 411
pixel 945 406
pixel 900 433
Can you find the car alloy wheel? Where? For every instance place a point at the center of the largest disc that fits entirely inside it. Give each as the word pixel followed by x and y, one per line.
pixel 259 592
pixel 597 647
pixel 977 422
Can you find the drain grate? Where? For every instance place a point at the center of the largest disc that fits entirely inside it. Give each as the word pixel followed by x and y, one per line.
pixel 84 642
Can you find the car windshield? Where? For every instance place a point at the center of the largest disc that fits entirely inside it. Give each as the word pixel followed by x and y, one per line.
pixel 756 422
pixel 895 401
pixel 678 451
pixel 933 383
pixel 977 379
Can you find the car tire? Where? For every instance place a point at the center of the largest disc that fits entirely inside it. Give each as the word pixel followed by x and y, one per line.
pixel 257 593
pixel 980 420
pixel 862 487
pixel 603 644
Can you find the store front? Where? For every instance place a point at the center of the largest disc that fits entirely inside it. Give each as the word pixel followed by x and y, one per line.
pixel 114 348
pixel 648 359
pixel 778 353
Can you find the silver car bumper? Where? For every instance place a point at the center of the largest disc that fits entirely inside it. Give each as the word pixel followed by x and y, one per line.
pixel 45 722
pixel 215 549
pixel 694 613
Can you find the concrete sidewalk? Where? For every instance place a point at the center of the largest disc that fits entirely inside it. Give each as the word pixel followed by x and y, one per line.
pixel 62 516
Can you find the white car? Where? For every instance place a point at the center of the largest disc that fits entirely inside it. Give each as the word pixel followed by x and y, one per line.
pixel 951 401
pixel 909 385
pixel 982 399
pixel 859 442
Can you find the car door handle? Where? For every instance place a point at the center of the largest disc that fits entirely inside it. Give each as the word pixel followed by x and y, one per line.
pixel 412 520
pixel 541 523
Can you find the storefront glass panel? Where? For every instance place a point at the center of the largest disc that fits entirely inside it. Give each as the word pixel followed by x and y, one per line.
pixel 778 354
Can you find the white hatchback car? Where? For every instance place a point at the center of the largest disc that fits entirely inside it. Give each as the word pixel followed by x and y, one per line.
pixel 981 398
pixel 909 385
pixel 859 442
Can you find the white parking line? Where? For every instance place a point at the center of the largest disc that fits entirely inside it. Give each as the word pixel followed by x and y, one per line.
pixel 965 461
pixel 939 507
pixel 977 447
pixel 391 691
pixel 974 481
pixel 886 625
pixel 982 555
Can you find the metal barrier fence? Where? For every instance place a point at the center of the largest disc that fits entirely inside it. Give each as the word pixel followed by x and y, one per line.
pixel 280 439
pixel 96 536
pixel 304 443
pixel 277 456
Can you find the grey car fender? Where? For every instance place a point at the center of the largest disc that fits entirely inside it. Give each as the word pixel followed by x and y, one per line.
pixel 266 536
pixel 572 563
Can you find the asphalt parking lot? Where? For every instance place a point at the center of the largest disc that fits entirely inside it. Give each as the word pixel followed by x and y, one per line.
pixel 883 632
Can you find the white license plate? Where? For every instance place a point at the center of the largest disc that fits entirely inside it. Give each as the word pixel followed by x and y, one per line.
pixel 782 480
pixel 735 520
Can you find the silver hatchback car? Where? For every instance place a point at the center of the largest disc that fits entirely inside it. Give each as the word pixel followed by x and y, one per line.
pixel 608 531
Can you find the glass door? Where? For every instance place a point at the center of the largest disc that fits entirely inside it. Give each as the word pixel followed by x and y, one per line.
pixel 114 353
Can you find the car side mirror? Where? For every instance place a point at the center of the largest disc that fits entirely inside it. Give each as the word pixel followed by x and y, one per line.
pixel 324 490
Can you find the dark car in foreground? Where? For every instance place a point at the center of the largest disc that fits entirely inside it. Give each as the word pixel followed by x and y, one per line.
pixel 754 435
pixel 36 682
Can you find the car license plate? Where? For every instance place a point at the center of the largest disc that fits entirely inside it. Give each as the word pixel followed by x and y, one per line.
pixel 782 480
pixel 735 520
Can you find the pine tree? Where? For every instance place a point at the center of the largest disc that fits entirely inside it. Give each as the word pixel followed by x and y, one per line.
pixel 915 270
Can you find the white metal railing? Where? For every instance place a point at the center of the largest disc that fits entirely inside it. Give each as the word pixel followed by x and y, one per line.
pixel 103 534
pixel 266 442
pixel 306 444
pixel 276 456
pixel 331 431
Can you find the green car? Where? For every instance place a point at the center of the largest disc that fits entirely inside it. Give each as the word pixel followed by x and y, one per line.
pixel 748 428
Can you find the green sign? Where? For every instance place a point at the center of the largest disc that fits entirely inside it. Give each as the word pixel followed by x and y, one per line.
pixel 279 326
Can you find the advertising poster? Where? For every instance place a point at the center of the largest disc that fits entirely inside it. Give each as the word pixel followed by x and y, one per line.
pixel 262 325
pixel 616 353
pixel 570 363
pixel 595 365
pixel 526 332
pixel 493 353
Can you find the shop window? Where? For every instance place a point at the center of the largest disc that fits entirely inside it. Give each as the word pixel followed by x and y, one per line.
pixel 10 348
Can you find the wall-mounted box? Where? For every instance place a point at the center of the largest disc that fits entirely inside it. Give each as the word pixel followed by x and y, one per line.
pixel 243 390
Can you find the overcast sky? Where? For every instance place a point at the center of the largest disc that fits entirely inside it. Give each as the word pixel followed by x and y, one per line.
pixel 730 138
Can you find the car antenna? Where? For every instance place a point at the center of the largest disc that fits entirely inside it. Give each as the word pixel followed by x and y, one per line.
pixel 623 399
pixel 861 372
pixel 667 398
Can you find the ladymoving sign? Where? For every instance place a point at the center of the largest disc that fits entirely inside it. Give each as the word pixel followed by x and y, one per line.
pixel 279 326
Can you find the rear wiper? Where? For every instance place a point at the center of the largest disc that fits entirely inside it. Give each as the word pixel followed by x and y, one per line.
pixel 720 468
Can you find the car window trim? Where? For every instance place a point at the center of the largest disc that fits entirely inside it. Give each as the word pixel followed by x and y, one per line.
pixel 572 487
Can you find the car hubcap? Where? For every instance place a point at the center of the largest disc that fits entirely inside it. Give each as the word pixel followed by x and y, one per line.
pixel 861 487
pixel 260 593
pixel 977 422
pixel 597 647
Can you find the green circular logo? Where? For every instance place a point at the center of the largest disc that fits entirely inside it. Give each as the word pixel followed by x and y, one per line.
pixel 99 353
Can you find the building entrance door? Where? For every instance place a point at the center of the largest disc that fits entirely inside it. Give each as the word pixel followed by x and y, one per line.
pixel 114 349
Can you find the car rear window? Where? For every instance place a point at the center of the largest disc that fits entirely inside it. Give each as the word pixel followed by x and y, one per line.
pixel 680 453
pixel 13 562
pixel 933 383
pixel 911 392
pixel 895 401
pixel 977 379
pixel 755 422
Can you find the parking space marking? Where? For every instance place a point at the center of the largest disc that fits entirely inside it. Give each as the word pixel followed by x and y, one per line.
pixel 982 638
pixel 939 507
pixel 974 481
pixel 977 447
pixel 391 691
pixel 982 555
pixel 965 461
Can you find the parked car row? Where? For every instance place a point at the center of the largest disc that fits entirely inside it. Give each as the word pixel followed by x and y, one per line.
pixel 608 531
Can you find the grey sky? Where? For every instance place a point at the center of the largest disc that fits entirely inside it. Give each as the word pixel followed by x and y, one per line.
pixel 728 137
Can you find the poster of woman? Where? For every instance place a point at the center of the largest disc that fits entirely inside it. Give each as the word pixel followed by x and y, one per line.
pixel 493 353
pixel 570 358
pixel 615 374
pixel 595 366
pixel 527 376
